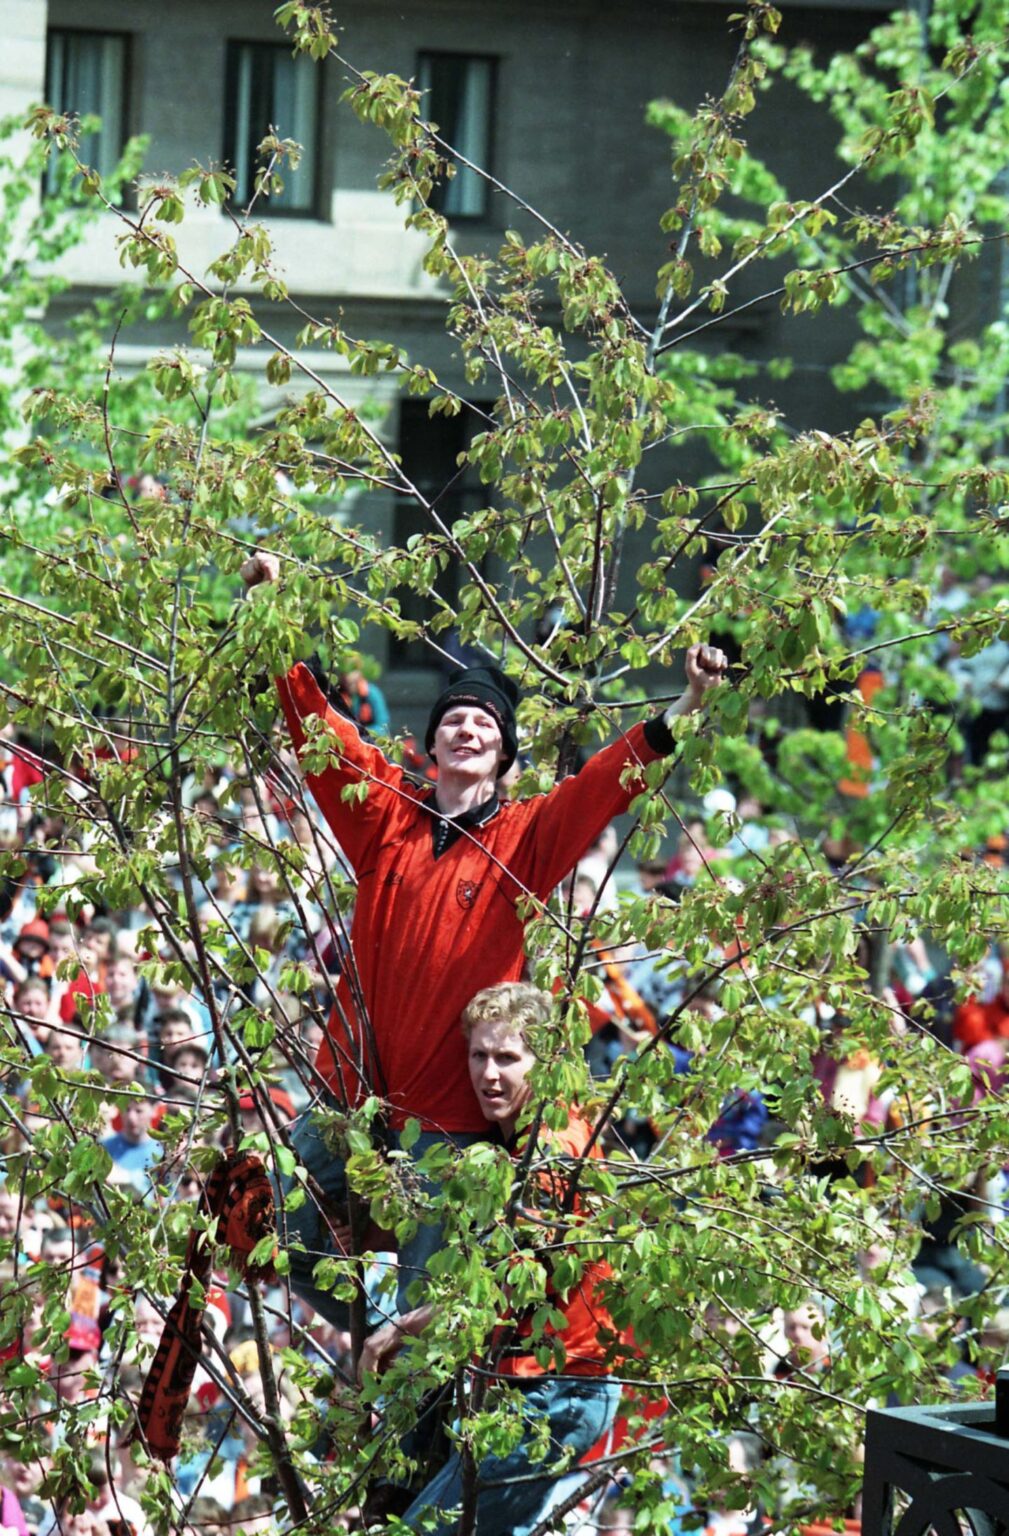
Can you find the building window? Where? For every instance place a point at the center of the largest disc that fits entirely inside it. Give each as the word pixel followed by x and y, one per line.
pixel 459 96
pixel 429 449
pixel 86 75
pixel 269 91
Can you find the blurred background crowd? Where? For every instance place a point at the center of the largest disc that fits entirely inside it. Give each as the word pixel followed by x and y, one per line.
pixel 87 987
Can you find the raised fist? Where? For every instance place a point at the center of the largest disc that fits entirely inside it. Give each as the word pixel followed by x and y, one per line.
pixel 706 666
pixel 260 567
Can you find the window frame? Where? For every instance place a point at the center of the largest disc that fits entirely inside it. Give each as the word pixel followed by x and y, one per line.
pixel 267 208
pixel 484 219
pixel 128 40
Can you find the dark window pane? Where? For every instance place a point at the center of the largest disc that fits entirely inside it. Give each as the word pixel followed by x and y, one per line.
pixel 429 447
pixel 86 76
pixel 269 90
pixel 459 97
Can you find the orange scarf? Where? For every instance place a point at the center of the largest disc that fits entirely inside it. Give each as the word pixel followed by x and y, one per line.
pixel 238 1193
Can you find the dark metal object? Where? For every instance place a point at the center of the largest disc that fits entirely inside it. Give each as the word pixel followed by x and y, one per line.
pixel 949 1464
pixel 1002 1404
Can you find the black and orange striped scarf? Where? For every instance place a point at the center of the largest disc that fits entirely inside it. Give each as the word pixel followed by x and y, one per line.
pixel 238 1193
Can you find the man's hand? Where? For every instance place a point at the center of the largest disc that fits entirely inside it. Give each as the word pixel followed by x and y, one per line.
pixel 260 567
pixel 379 1350
pixel 381 1346
pixel 342 1234
pixel 706 667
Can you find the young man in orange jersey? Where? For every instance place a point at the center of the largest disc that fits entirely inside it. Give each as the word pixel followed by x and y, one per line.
pixel 441 872
pixel 578 1402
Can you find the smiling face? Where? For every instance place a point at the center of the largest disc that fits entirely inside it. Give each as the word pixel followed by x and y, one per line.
pixel 467 743
pixel 499 1066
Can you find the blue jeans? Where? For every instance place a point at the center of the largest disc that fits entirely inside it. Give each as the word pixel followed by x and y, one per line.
pixel 308 1225
pixel 578 1409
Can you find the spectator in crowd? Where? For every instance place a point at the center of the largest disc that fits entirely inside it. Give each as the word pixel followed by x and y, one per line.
pixel 62 941
pixel 363 700
pixel 151 487
pixel 10 1209
pixel 172 1002
pixel 108 1510
pixel 66 1047
pixel 983 680
pixel 126 994
pixel 31 949
pixel 22 1479
pixel 266 918
pixel 102 935
pixel 116 1054
pixel 132 1149
pixel 175 1028
pixel 84 988
pixel 185 1073
pixel 651 873
pixel 32 1001
pixel 805 1329
pixel 691 859
pixel 597 867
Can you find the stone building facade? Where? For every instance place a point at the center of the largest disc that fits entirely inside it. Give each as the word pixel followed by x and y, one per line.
pixel 552 93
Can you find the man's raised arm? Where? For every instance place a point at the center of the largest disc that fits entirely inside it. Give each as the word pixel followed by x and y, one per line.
pixel 568 820
pixel 353 761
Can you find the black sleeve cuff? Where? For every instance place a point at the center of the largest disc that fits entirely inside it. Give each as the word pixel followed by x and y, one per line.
pixel 659 737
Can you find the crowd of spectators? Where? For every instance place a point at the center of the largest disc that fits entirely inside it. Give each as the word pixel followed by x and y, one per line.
pixel 94 996
pixel 97 993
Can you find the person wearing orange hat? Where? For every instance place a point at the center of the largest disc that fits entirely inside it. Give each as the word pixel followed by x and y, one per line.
pixel 31 948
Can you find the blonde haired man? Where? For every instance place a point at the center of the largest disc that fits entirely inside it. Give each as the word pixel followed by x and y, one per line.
pixel 579 1402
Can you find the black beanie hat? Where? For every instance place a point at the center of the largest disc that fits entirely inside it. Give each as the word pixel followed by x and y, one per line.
pixel 489 689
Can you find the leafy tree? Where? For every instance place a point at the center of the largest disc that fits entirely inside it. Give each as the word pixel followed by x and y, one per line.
pixel 131 665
